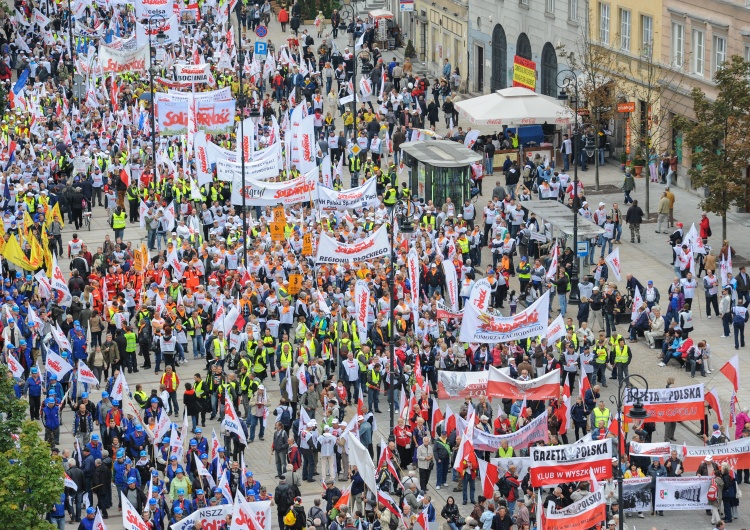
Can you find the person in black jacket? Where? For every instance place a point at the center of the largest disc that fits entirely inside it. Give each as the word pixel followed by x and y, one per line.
pixel 284 496
pixel 75 201
pixel 450 513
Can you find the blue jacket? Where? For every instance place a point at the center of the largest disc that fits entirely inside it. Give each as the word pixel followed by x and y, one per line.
pixel 77 424
pixel 87 524
pixel 186 505
pixel 96 450
pixel 137 439
pixel 34 386
pixel 358 484
pixel 79 347
pixel 88 466
pixel 58 510
pixel 119 472
pixel 51 417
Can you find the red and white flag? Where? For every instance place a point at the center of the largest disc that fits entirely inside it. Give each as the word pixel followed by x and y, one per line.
pixel 302 378
pixel 450 420
pixel 437 417
pixel 712 398
pixel 232 423
pixel 14 366
pixel 731 370
pixel 613 261
pixel 466 448
pixel 545 387
pixel 553 264
pixel 57 365
pixel 585 384
pixel 119 388
pixel 489 474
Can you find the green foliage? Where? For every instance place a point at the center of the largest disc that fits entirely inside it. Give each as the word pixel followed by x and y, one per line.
pixel 3 101
pixel 718 139
pixel 31 481
pixel 410 51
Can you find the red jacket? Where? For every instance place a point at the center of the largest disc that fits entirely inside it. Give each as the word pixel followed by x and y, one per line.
pixel 705 227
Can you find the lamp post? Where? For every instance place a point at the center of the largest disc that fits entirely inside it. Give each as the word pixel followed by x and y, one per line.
pixel 355 89
pixel 637 412
pixel 160 38
pixel 568 82
pixel 69 63
pixel 400 211
pixel 241 103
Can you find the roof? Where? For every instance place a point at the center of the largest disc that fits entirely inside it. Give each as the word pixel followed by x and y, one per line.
pixel 561 218
pixel 441 153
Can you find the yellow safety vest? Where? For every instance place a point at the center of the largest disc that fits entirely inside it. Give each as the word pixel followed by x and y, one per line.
pixel 118 220
pixel 600 415
pixel 621 355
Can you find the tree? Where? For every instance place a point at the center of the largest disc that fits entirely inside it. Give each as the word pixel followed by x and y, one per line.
pixel 651 130
pixel 719 140
pixel 593 62
pixel 31 481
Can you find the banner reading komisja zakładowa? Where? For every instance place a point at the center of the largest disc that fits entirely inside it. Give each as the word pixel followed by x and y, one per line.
pixel 682 493
pixel 502 385
pixel 668 404
pixel 375 246
pixel 735 453
pixel 570 463
pixel 581 515
pixel 480 326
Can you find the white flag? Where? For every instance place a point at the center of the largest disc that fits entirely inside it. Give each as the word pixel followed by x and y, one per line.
pixel 203 472
pixel 120 388
pixel 60 338
pixel 637 303
pixel 85 375
pixel 613 262
pixel 131 519
pixel 57 365
pixel 232 423
pixel 553 264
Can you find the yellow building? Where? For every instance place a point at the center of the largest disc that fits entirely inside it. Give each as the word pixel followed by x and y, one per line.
pixel 441 33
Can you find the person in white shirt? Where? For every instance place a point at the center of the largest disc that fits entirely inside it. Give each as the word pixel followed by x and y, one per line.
pixel 327 444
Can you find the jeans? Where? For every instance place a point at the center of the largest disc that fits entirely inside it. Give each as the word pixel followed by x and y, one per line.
pixel 373 396
pixel 603 242
pixel 618 232
pixel 610 321
pixel 488 163
pixel 161 236
pixel 726 320
pixel 563 301
pixel 254 421
pixel 194 420
pixel 59 522
pixel 739 335
pixel 566 162
pixel 119 233
pixel 693 365
pixel 601 163
pixel 622 371
pixel 468 484
pixel 628 199
pixel 151 239
pixel 442 472
pixel 280 459
pixel 198 347
pixel 173 402
pixel 308 465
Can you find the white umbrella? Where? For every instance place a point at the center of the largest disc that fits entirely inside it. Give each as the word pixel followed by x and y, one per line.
pixel 513 106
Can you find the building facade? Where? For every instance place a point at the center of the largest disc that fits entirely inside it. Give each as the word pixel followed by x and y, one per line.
pixel 531 29
pixel 439 30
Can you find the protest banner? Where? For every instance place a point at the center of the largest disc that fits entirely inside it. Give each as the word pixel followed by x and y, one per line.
pixel 364 196
pixel 501 384
pixel 587 513
pixel 534 432
pixel 736 453
pixel 460 385
pixel 682 493
pixel 479 326
pixel 374 246
pixel 667 404
pixel 636 494
pixel 570 463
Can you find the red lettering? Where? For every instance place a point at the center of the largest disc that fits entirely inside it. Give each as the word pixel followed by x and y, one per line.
pixel 355 249
pixel 299 189
pixel 175 118
pixel 54 365
pixel 306 148
pixel 208 117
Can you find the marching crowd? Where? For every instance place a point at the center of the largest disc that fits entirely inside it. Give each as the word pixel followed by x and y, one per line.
pixel 273 339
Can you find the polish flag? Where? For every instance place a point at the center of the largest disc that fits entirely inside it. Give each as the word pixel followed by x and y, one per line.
pixel 523 408
pixel 344 499
pixel 489 474
pixel 731 370
pixel 585 384
pixel 466 448
pixel 684 450
pixel 566 388
pixel 437 417
pixel 421 521
pixel 360 407
pixel 712 398
pixel 563 414
pixel 615 430
pixel 450 420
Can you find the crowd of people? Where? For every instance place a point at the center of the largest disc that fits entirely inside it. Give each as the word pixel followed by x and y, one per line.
pixel 284 352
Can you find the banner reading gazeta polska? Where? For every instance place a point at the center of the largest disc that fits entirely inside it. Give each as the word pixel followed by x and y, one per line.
pixel 570 463
pixel 668 404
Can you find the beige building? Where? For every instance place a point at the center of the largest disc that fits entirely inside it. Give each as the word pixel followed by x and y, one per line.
pixel 440 32
pixel 697 36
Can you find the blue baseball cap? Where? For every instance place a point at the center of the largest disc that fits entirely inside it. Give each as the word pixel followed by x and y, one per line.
pixel 95 437
pixel 198 430
pixel 50 401
pixel 139 427
pixel 165 440
pixel 203 456
pixel 34 370
pixel 22 342
pixel 221 449
pixel 193 442
pixel 177 509
pixel 116 403
pixel 52 377
pixel 154 400
pixel 128 460
pixel 84 395
pixel 53 392
pixel 105 394
pixel 180 491
pixel 154 473
pixel 180 470
pixel 131 480
pixel 152 502
pixel 249 474
pixel 199 492
pixel 143 453
pixel 121 453
pixel 91 510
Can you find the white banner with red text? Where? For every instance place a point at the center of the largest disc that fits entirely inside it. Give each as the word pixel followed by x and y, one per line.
pixel 735 453
pixel 534 432
pixel 479 326
pixel 364 196
pixel 148 8
pixel 370 248
pixel 262 193
pixel 169 29
pixel 215 117
pixel 192 73
pixel 460 385
pixel 256 170
pixel 501 384
pixel 682 493
pixel 660 449
pixel 172 117
pixel 570 463
pixel 668 404
pixel 589 512
pixel 119 61
pixel 361 305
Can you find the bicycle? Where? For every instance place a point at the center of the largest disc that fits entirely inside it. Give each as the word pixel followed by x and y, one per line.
pixel 87 220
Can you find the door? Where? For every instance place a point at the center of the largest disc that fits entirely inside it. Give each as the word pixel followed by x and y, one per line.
pixel 479 61
pixel 499 77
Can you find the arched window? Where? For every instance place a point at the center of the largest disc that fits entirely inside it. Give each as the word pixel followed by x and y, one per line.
pixel 523 46
pixel 549 70
pixel 499 77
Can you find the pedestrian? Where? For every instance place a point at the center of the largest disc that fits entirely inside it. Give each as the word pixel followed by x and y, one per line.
pixel 628 186
pixel 634 218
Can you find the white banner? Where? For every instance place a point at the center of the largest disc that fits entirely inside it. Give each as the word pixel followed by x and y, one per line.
pixel 653 449
pixel 55 364
pixel 481 295
pixel 131 519
pixel 85 375
pixel 556 330
pixel 216 117
pixel 636 494
pixel 374 246
pixel 60 339
pixel 570 463
pixel 451 284
pixel 261 193
pixel 682 493
pixel 256 170
pixel 199 97
pixel 364 196
pixel 147 8
pixel 202 164
pixel 231 422
pixel 172 117
pixel 613 261
pixel 531 433
pixel 170 29
pixel 209 517
pixel 118 61
pixel 304 146
pixel 361 304
pixel 478 326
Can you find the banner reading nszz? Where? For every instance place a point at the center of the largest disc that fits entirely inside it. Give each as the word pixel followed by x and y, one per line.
pixel 668 404
pixel 570 463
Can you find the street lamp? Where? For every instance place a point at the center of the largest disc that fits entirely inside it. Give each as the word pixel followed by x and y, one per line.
pixel 570 82
pixel 399 214
pixel 241 104
pixel 637 412
pixel 161 21
pixel 355 89
pixel 69 62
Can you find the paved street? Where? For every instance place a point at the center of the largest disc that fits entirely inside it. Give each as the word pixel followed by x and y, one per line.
pixel 647 261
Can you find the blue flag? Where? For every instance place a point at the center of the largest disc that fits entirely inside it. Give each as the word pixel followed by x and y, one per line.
pixel 21 81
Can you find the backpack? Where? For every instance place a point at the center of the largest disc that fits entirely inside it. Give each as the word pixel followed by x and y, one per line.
pixel 713 491
pixel 289 499
pixel 286 418
pixel 295 459
pixel 393 523
pixel 290 518
pixel 504 487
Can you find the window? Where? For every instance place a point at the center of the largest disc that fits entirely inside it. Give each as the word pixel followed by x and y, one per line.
pixel 647 34
pixel 678 45
pixel 625 29
pixel 604 23
pixel 720 52
pixel 524 2
pixel 573 10
pixel 550 6
pixel 699 49
pixel 747 53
